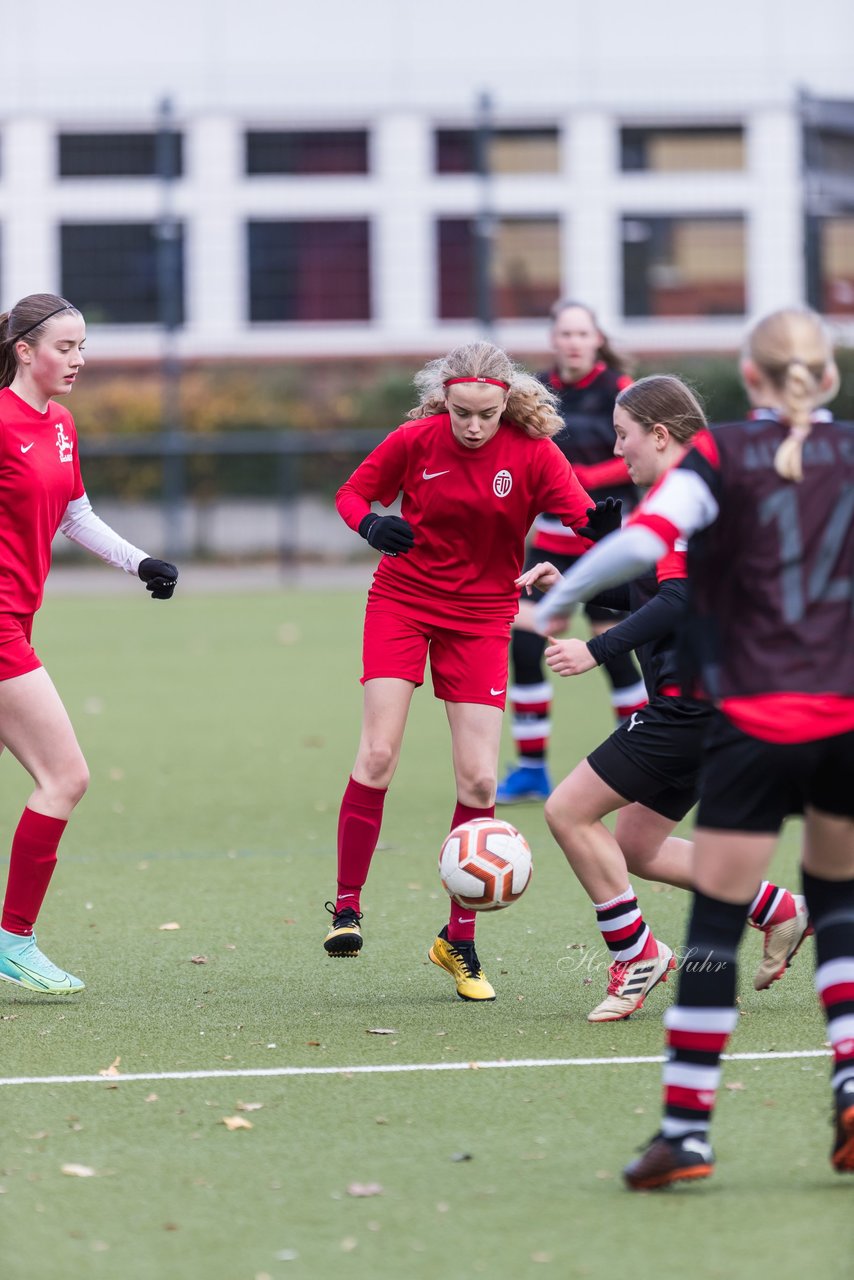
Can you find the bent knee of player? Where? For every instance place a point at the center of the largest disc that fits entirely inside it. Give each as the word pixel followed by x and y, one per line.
pixel 377 761
pixel 477 788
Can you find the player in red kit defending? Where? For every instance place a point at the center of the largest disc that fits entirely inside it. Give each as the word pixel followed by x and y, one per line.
pixel 647 770
pixel 474 468
pixel 769 507
pixel 587 377
pixel 41 492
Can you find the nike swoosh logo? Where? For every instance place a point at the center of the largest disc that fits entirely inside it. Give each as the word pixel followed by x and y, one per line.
pixel 431 475
pixel 496 692
pixel 25 448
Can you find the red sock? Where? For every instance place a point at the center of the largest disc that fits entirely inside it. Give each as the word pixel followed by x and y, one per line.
pixel 462 920
pixel 359 822
pixel 31 866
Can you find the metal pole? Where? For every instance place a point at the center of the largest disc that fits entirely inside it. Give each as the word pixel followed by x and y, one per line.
pixel 485 221
pixel 168 250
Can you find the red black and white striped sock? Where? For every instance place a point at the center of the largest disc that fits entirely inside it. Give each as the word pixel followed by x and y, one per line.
pixel 772 905
pixel 704 1016
pixel 625 933
pixel 530 697
pixel 831 907
pixel 462 920
pixel 628 691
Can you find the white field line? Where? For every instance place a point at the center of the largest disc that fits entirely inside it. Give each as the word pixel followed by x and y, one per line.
pixel 500 1064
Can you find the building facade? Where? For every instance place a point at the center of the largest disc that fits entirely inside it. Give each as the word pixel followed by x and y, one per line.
pixel 398 205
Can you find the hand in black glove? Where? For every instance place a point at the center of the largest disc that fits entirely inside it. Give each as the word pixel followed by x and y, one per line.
pixel 159 577
pixel 392 535
pixel 604 518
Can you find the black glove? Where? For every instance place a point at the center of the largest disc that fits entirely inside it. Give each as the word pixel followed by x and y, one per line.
pixel 392 535
pixel 606 517
pixel 159 577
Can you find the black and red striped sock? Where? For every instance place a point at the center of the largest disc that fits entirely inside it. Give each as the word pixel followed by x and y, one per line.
pixel 831 907
pixel 701 1021
pixel 623 929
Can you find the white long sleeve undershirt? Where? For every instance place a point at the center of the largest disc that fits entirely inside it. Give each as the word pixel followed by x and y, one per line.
pixel 81 525
pixel 683 499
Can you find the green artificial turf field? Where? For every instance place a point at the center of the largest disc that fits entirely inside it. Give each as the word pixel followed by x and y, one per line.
pixel 220 731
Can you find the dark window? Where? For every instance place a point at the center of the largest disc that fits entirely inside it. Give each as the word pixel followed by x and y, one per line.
pixel 110 269
pixel 119 155
pixel 524 267
pixel 691 266
pixel 509 151
pixel 305 152
pixel 313 270
pixel 679 150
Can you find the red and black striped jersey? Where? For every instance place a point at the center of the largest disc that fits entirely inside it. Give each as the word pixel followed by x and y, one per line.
pixel 771 564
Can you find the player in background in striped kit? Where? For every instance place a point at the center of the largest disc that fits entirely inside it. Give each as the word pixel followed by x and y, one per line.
pixel 769 507
pixel 473 468
pixel 41 492
pixel 586 378
pixel 647 770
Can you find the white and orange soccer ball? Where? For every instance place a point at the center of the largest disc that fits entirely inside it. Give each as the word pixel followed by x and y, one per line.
pixel 485 864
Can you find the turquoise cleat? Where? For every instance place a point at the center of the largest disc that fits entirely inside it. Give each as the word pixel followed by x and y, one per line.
pixel 22 964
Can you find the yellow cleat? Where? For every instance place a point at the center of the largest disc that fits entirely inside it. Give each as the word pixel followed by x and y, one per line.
pixel 460 960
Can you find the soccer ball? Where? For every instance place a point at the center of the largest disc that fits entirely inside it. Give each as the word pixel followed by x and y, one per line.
pixel 485 864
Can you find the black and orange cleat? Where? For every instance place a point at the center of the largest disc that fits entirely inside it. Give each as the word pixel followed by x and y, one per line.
pixel 842 1156
pixel 668 1160
pixel 345 936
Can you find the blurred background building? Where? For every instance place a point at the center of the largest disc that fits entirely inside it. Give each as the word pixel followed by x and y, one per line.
pixel 332 175
pixel 270 213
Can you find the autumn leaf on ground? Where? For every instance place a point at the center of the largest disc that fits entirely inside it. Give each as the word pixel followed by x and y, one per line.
pixel 249 1106
pixel 78 1171
pixel 364 1189
pixel 198 959
pixel 381 1031
pixel 112 1069
pixel 173 924
pixel 236 1122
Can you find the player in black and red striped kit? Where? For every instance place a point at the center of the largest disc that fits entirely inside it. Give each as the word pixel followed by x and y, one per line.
pixel 769 505
pixel 587 377
pixel 647 770
pixel 474 468
pixel 41 493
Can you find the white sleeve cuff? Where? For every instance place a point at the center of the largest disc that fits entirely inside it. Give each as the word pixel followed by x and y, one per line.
pixel 81 525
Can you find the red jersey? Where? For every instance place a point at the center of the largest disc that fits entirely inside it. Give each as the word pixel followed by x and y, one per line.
pixel 39 476
pixel 470 510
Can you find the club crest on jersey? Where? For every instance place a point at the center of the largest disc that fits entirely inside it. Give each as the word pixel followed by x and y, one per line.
pixel 63 444
pixel 502 484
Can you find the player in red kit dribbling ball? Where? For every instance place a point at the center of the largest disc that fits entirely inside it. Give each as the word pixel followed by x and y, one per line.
pixel 41 492
pixel 474 468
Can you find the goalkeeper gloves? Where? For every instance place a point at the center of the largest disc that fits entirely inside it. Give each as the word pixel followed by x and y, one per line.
pixel 392 535
pixel 159 577
pixel 606 517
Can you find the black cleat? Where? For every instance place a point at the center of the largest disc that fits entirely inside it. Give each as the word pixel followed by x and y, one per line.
pixel 345 936
pixel 669 1160
pixel 842 1156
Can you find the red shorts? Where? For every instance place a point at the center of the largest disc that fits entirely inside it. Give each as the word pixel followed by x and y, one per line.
pixel 465 668
pixel 17 655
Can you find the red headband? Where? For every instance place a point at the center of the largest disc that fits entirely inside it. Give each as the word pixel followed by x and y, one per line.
pixel 495 382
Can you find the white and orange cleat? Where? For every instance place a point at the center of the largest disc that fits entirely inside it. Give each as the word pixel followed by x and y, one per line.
pixel 630 983
pixel 782 942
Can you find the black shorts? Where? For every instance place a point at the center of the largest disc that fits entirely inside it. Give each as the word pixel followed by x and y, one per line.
pixel 594 612
pixel 654 758
pixel 747 784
